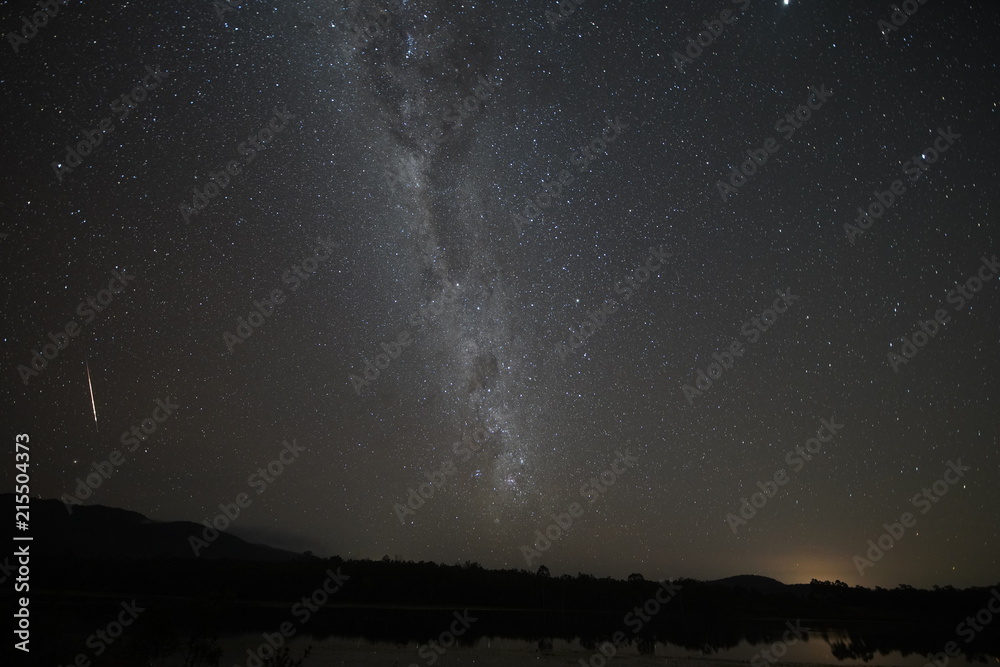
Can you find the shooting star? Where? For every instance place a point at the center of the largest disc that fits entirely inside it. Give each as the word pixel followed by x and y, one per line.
pixel 93 405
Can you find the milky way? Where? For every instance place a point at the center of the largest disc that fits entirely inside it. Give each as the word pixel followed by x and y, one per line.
pixel 414 85
pixel 520 244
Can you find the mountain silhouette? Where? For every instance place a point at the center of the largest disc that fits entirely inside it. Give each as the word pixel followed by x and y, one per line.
pixel 110 533
pixel 753 582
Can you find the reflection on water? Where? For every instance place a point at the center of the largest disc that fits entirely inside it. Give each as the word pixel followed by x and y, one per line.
pixel 828 646
pixel 374 636
pixel 398 635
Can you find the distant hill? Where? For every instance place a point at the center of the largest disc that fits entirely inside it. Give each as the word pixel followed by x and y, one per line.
pixel 763 585
pixel 96 531
pixel 754 582
pixel 97 554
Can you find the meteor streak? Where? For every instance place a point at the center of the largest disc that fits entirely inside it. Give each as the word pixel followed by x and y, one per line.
pixel 91 386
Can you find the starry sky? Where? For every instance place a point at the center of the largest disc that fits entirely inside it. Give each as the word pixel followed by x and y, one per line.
pixel 429 213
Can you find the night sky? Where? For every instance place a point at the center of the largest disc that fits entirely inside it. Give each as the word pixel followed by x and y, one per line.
pixel 444 204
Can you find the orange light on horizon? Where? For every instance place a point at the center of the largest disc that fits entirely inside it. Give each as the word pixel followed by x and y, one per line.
pixel 802 570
